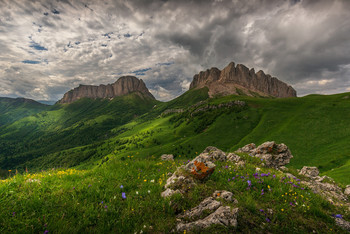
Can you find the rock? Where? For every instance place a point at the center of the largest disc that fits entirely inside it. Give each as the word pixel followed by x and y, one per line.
pixel 329 191
pixel 233 157
pixel 123 86
pixel 347 190
pixel 167 157
pixel 169 192
pixel 309 171
pixel 201 167
pixel 214 154
pixel 224 215
pixel 231 79
pixel 283 168
pixel 226 195
pixel 241 164
pixel 322 178
pixel 208 205
pixel 247 148
pixel 179 182
pixel 345 225
pixel 274 155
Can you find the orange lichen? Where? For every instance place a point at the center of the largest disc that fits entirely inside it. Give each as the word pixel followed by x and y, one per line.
pixel 200 170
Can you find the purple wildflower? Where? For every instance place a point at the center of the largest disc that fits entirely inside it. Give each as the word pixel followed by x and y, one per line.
pixel 262 192
pixel 73 187
pixel 249 183
pixel 101 202
pixel 261 210
pixel 274 176
pixel 262 159
pixel 13 213
pixel 338 216
pixel 268 220
pixel 46 232
pixel 89 185
pixel 228 180
pixel 121 186
pixel 123 196
pixel 233 178
pixel 106 207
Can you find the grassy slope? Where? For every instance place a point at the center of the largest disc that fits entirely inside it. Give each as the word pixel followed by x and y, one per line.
pixel 75 201
pixel 65 126
pixel 12 109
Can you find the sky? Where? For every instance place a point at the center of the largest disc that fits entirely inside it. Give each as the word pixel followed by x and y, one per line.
pixel 48 47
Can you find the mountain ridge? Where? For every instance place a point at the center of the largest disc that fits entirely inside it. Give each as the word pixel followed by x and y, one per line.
pixel 123 86
pixel 240 80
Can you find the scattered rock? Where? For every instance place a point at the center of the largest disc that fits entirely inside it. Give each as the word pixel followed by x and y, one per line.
pixel 224 215
pixel 309 171
pixel 233 157
pixel 226 195
pixel 169 192
pixel 342 224
pixel 167 157
pixel 274 155
pixel 322 178
pixel 283 168
pixel 214 154
pixel 331 192
pixel 208 205
pixel 347 190
pixel 247 148
pixel 241 164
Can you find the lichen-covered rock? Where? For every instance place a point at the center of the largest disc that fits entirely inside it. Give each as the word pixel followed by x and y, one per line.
pixel 201 167
pixel 224 215
pixel 247 148
pixel 167 157
pixel 208 205
pixel 233 157
pixel 226 195
pixel 214 154
pixel 274 155
pixel 179 181
pixel 309 171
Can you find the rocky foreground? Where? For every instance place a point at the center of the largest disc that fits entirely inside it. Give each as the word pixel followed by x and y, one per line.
pixel 221 208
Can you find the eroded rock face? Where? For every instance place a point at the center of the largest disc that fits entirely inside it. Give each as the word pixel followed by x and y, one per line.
pixel 226 195
pixel 345 225
pixel 309 171
pixel 209 204
pixel 123 86
pixel 247 148
pixel 347 190
pixel 235 79
pixel 224 215
pixel 214 154
pixel 201 167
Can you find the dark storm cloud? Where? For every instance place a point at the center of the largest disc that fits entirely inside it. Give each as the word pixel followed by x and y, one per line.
pixel 305 43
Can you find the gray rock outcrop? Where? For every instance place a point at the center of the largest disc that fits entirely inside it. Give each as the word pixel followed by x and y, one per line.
pixel 123 86
pixel 237 79
pixel 274 155
pixel 167 157
pixel 347 190
pixel 309 171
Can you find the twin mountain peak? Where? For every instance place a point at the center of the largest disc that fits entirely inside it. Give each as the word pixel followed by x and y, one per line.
pixel 232 79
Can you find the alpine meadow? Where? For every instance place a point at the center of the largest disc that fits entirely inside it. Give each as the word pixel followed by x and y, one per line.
pixel 112 121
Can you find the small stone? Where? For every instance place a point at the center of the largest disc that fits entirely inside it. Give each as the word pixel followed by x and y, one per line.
pixel 226 195
pixel 309 171
pixel 169 192
pixel 167 157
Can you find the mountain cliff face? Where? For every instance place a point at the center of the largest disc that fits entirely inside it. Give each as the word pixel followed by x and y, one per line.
pixel 239 79
pixel 123 86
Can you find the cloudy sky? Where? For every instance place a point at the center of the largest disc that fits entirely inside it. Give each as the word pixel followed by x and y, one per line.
pixel 48 47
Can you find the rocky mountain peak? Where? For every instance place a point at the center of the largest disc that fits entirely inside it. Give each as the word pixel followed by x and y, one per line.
pixel 241 80
pixel 123 86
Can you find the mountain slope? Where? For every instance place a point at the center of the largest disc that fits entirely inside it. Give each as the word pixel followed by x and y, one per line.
pixel 12 109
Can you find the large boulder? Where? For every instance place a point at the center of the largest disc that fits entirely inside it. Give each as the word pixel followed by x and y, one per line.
pixel 309 171
pixel 274 155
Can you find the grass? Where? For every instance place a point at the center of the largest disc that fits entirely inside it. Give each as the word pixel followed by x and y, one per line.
pixel 70 200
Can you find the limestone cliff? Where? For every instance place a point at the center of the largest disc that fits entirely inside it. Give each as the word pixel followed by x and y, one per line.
pixel 240 80
pixel 123 86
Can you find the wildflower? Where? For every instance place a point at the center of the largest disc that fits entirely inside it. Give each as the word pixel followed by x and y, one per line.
pixel 46 232
pixel 73 187
pixel 105 206
pixel 338 216
pixel 137 193
pixel 121 186
pixel 274 176
pixel 13 213
pixel 123 196
pixel 149 191
pixel 261 210
pixel 152 181
pixel 89 185
pixel 268 220
pixel 101 202
pixel 282 210
pixel 262 192
pixel 249 183
pixel 145 180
